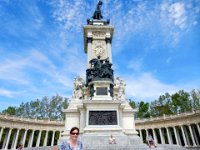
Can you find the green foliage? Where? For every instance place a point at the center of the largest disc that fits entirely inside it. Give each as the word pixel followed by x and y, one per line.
pixel 132 103
pixel 178 102
pixel 195 94
pixel 9 111
pixel 41 109
pixel 143 111
pixel 167 104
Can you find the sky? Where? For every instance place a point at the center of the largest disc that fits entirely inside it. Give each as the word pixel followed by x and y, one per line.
pixel 155 48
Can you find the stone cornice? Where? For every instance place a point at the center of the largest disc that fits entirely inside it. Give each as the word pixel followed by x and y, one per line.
pixel 158 122
pixel 169 121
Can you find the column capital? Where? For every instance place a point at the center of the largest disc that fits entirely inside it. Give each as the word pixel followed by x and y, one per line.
pixel 108 40
pixel 89 39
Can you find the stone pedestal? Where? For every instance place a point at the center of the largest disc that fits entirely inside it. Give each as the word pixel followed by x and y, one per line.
pixel 100 117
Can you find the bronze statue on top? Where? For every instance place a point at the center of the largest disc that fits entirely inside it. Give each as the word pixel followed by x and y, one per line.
pixel 100 70
pixel 97 14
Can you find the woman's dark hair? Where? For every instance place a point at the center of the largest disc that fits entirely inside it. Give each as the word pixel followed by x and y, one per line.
pixel 74 128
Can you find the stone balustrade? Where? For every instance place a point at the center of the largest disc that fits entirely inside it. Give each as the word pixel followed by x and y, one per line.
pixel 181 129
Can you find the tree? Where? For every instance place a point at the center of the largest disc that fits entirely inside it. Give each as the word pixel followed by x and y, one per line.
pixel 195 94
pixel 132 103
pixel 9 111
pixel 143 110
pixel 181 102
pixel 41 109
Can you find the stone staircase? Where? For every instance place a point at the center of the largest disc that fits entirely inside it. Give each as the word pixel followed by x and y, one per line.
pixel 124 142
pixel 118 147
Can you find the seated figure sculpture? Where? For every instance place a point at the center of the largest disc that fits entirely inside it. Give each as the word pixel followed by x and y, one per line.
pixel 78 88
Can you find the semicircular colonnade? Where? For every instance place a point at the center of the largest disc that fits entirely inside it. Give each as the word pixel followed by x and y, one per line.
pixel 29 132
pixel 181 129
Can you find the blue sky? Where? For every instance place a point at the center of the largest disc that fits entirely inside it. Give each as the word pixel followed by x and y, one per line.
pixel 156 46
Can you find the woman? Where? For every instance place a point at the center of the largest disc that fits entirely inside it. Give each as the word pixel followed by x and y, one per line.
pixel 20 147
pixel 72 143
pixel 112 140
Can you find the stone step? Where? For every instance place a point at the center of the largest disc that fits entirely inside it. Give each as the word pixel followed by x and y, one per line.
pixel 134 147
pixel 118 147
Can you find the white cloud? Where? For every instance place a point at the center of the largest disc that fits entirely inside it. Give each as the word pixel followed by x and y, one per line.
pixel 177 15
pixel 135 64
pixel 7 93
pixel 147 87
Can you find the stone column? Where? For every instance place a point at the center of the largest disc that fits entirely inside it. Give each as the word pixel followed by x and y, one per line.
pixel 45 139
pixel 192 136
pixel 38 139
pixel 24 137
pixel 108 46
pixel 140 131
pixel 155 137
pixel 60 134
pixel 146 132
pixel 15 139
pixel 184 136
pixel 52 140
pixel 5 139
pixel 2 129
pixel 31 139
pixel 89 43
pixel 187 137
pixel 176 137
pixel 168 136
pixel 161 136
pixel 198 128
pixel 195 135
pixel 8 138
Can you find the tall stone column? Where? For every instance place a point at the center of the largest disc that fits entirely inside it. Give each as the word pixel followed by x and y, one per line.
pixel 195 135
pixel 161 136
pixel 198 128
pixel 176 137
pixel 140 130
pixel 2 129
pixel 146 132
pixel 52 140
pixel 8 138
pixel 155 137
pixel 31 139
pixel 15 139
pixel 187 136
pixel 192 136
pixel 184 136
pixel 5 139
pixel 60 134
pixel 109 49
pixel 168 136
pixel 24 137
pixel 38 139
pixel 45 139
pixel 89 44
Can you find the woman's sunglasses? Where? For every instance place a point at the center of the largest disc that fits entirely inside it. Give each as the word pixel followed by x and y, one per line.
pixel 74 133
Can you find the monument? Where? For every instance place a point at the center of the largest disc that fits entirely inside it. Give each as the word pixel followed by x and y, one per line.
pixel 98 105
